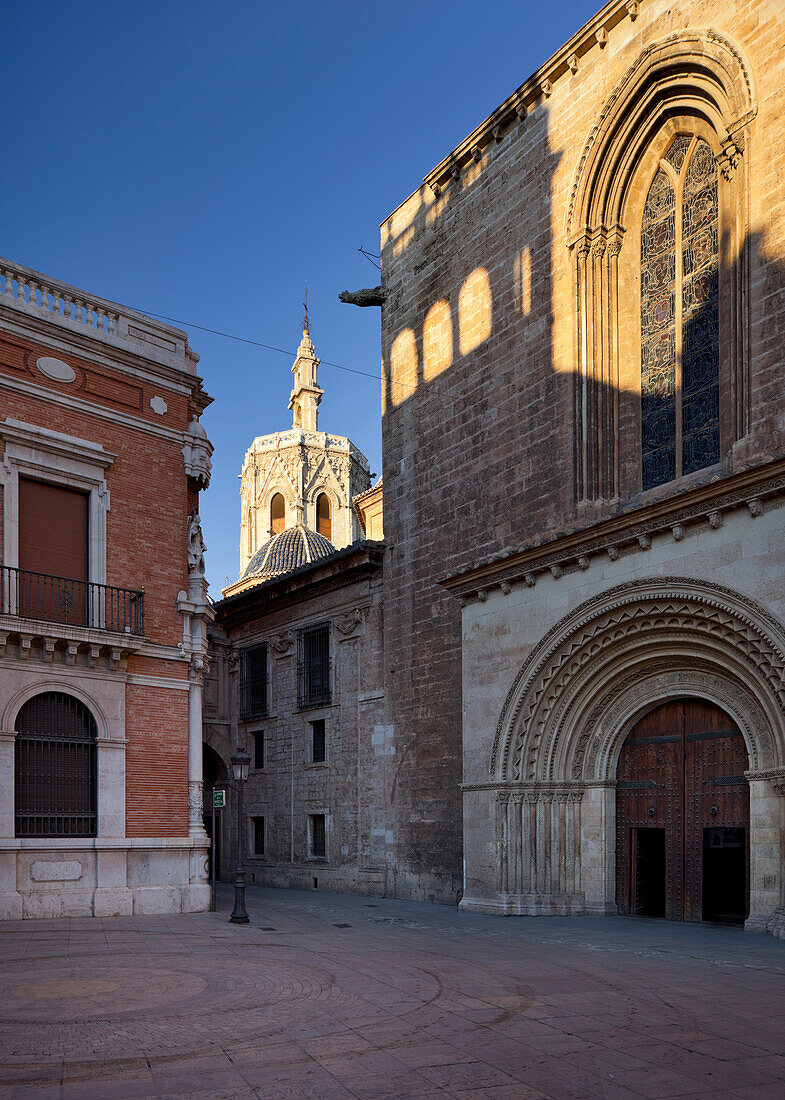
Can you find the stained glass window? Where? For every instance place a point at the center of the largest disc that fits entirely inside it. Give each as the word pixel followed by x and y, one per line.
pixel 680 315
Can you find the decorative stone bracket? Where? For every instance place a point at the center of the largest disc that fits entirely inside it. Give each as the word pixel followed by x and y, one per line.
pixel 283 644
pixel 197 452
pixel 349 623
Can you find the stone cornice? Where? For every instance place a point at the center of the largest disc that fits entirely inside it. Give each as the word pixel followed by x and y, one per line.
pixel 566 60
pixel 631 530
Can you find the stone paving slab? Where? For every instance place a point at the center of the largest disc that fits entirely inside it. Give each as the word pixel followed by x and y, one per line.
pixel 327 995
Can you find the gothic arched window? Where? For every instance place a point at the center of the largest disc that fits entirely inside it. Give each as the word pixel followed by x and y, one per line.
pixel 277 514
pixel 680 315
pixel 55 767
pixel 323 521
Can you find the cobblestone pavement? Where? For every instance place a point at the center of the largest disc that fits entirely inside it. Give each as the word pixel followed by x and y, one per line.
pixel 325 995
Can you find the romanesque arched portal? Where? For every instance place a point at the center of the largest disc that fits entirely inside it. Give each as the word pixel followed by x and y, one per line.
pixel 576 699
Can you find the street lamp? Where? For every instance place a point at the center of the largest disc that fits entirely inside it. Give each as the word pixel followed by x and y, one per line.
pixel 241 762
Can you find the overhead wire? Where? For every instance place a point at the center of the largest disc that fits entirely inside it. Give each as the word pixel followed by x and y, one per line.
pixel 255 343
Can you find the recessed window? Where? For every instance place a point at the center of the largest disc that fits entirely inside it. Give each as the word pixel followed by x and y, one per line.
pixel 679 315
pixel 253 682
pixel 55 767
pixel 314 666
pixel 318 836
pixel 258 750
pixel 323 519
pixel 258 836
pixel 318 742
pixel 277 514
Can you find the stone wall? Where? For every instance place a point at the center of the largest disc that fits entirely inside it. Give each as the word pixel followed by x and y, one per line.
pixel 488 436
pixel 351 786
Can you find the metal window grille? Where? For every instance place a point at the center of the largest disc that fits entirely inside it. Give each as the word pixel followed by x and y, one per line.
pixel 253 682
pixel 55 776
pixel 318 742
pixel 318 839
pixel 258 836
pixel 40 596
pixel 313 673
pixel 258 750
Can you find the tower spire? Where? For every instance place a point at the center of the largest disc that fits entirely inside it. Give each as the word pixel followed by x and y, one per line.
pixel 306 394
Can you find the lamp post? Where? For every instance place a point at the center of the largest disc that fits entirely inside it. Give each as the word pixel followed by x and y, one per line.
pixel 241 762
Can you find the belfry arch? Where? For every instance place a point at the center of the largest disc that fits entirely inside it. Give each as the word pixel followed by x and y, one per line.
pixel 571 707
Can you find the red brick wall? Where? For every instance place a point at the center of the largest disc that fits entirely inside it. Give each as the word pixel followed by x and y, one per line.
pixel 150 499
pixel 156 761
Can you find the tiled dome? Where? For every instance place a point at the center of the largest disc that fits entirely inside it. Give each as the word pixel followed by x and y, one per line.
pixel 286 551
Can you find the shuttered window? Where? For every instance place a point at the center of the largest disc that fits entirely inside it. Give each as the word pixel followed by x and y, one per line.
pixel 55 767
pixel 52 530
pixel 53 553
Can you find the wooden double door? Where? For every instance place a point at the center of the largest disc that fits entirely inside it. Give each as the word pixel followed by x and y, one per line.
pixel 682 816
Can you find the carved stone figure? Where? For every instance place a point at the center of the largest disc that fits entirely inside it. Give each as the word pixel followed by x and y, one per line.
pixel 196 546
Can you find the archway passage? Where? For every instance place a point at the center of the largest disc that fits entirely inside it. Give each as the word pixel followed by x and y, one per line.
pixel 682 816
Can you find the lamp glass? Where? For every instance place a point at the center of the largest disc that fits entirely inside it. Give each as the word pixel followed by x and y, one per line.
pixel 241 764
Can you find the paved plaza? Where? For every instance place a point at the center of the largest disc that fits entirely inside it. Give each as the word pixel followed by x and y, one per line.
pixel 326 995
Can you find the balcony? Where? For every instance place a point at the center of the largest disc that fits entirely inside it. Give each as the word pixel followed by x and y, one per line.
pixel 69 603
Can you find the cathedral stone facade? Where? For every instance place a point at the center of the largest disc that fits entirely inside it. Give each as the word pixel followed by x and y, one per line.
pixel 584 490
pixel 301 476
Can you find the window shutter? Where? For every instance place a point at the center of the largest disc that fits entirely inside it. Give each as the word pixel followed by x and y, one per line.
pixel 53 530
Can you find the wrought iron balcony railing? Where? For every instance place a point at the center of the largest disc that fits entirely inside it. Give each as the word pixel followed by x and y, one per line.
pixel 28 595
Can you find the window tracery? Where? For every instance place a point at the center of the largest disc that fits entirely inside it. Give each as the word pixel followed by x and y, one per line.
pixel 680 315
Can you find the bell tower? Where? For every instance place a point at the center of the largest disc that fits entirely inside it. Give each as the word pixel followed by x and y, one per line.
pixel 306 394
pixel 301 476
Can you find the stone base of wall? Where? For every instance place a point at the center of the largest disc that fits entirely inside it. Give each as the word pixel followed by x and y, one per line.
pixel 775 925
pixel 58 878
pixel 380 882
pixel 526 905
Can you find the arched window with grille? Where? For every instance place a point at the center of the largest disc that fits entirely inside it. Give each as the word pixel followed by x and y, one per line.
pixel 323 517
pixel 55 767
pixel 680 425
pixel 277 514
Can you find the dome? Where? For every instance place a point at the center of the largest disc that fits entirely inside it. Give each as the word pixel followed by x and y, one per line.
pixel 288 550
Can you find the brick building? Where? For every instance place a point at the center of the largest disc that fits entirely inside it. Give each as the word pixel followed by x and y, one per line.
pixel 103 607
pixel 296 665
pixel 582 331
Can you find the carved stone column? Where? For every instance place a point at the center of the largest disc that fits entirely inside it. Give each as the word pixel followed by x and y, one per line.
pixel 196 673
pixel 197 612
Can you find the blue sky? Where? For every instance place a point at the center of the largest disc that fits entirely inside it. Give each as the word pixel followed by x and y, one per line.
pixel 203 160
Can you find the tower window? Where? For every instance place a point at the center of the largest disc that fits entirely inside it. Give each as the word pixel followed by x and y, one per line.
pixel 277 514
pixel 680 315
pixel 323 521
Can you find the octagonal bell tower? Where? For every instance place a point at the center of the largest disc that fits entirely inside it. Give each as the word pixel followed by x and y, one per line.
pixel 301 476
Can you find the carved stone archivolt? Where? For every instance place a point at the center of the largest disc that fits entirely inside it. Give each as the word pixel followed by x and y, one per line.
pixel 601 667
